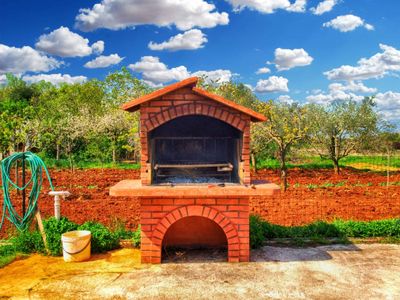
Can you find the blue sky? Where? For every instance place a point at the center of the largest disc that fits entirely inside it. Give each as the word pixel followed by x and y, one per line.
pixel 311 51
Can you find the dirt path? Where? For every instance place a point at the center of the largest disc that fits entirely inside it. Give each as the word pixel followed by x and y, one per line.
pixel 328 272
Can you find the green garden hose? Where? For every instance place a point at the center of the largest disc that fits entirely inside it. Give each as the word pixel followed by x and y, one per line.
pixel 36 165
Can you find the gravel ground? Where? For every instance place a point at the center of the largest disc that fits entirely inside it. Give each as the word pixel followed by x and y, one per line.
pixel 361 271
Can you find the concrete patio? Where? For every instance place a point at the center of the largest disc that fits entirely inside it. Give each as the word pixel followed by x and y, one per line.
pixel 361 271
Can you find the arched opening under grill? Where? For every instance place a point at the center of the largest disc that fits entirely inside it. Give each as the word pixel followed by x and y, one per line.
pixel 194 238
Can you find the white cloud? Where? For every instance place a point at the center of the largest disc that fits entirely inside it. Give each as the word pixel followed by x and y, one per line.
pixel 315 91
pixel 323 7
pixel 3 79
pixel 98 47
pixel 25 59
pixel 120 14
pixel 333 95
pixel 351 86
pixel 157 72
pixel 298 6
pixel 189 40
pixel 369 27
pixel 263 70
pixel 268 6
pixel 286 59
pixel 103 61
pixel 218 76
pixel 272 84
pixel 376 66
pixel 65 43
pixel 347 23
pixel 285 99
pixel 55 78
pixel 388 104
pixel 249 86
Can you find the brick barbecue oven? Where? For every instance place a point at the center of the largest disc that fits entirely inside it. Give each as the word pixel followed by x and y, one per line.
pixel 195 181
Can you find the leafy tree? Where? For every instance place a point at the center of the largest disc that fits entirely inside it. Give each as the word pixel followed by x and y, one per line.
pixel 120 87
pixel 287 126
pixel 60 108
pixel 17 113
pixel 237 92
pixel 116 125
pixel 259 144
pixel 342 127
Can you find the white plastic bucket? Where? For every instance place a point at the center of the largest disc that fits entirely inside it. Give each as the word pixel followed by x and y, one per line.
pixel 76 245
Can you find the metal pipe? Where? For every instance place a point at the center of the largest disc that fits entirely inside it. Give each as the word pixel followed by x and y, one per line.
pixel 57 206
pixel 23 185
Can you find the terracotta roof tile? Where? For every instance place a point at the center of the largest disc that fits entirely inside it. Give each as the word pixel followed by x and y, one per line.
pixel 134 105
pixel 255 116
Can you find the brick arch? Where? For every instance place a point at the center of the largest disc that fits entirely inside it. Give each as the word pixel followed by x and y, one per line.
pixel 200 211
pixel 217 112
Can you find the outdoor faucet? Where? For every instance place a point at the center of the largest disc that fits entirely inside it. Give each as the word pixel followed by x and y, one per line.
pixel 57 202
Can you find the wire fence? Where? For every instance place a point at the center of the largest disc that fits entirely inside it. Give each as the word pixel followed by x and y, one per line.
pixel 367 188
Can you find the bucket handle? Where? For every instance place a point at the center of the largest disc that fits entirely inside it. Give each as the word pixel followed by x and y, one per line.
pixel 79 251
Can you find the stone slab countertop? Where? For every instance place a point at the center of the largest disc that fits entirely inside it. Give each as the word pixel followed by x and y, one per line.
pixel 134 188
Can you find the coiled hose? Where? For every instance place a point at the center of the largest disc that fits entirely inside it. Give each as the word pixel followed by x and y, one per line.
pixel 36 165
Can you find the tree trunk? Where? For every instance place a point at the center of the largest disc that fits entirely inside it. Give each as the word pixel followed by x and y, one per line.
pixel 57 151
pixel 114 155
pixel 114 149
pixel 283 168
pixel 253 162
pixel 70 157
pixel 336 166
pixel 284 179
pixel 388 169
pixel 71 162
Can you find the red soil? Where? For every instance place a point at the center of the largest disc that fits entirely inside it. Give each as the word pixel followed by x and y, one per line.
pixel 359 196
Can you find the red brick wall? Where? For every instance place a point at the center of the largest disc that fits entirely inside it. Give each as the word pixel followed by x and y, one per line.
pixel 231 214
pixel 185 102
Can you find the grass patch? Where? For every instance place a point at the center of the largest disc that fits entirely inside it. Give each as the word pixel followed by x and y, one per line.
pixel 30 241
pixel 394 183
pixel 307 163
pixel 64 164
pixel 373 160
pixel 316 162
pixel 323 232
pixel 7 254
pixel 323 185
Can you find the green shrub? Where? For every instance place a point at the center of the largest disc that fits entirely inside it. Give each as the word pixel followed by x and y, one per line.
pixel 118 227
pixel 28 242
pixel 273 231
pixel 260 229
pixel 320 229
pixel 102 238
pixel 6 250
pixel 7 254
pixel 257 236
pixel 54 229
pixel 379 228
pixel 136 237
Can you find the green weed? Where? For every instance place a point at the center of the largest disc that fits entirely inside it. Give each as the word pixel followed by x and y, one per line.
pixel 102 238
pixel 321 231
pixel 136 237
